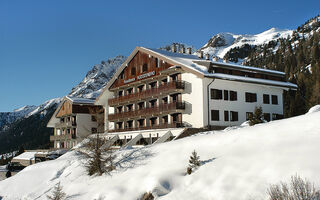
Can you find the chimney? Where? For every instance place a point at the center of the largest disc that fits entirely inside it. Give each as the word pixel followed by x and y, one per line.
pixel 189 50
pixel 183 50
pixel 207 56
pixel 173 48
pixel 200 54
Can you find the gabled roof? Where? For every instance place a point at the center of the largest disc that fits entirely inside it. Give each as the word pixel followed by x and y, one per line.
pixel 197 66
pixel 73 100
pixel 77 100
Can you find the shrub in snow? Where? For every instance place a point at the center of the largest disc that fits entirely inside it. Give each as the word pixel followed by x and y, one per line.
pixel 298 189
pixel 194 162
pixel 147 196
pixel 100 158
pixel 257 116
pixel 57 193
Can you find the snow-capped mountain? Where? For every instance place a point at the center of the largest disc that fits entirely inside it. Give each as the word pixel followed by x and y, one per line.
pixel 9 117
pixel 97 78
pixel 221 43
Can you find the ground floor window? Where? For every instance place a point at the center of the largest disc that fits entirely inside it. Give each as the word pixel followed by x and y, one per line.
pixel 266 116
pixel 233 116
pixel 226 115
pixel 214 115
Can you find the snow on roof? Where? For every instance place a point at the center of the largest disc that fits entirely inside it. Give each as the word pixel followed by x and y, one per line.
pixel 78 100
pixel 253 80
pixel 188 61
pixel 26 156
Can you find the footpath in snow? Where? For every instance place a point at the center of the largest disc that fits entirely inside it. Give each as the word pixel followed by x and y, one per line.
pixel 238 164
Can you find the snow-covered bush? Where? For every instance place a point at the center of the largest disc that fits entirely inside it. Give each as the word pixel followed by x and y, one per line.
pixel 298 189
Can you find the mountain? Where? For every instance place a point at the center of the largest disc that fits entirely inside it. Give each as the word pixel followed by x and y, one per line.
pixel 92 85
pixel 219 45
pixel 235 164
pixel 26 126
pixel 9 117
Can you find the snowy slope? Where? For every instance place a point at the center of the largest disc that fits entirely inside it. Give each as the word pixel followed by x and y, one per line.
pixel 92 85
pixel 237 164
pixel 221 43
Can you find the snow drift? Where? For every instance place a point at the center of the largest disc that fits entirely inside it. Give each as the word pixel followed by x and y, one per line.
pixel 237 164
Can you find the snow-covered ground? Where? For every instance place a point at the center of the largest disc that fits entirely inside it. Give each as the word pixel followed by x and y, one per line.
pixel 237 164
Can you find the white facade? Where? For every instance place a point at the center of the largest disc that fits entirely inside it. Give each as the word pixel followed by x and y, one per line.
pixel 240 105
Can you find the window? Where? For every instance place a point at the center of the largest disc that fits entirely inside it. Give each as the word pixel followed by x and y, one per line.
pixel 266 116
pixel 140 105
pixel 133 71
pixel 233 96
pixel 214 115
pixel 251 97
pixel 145 68
pixel 266 99
pixel 233 116
pixel 140 88
pixel 274 99
pixel 226 95
pixel 157 62
pixel 94 130
pixel 226 115
pixel 216 94
pixel 93 118
pixel 121 75
pixel 120 93
pixel 249 115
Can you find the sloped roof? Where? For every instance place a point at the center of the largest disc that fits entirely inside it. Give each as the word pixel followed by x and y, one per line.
pixel 198 66
pixel 77 100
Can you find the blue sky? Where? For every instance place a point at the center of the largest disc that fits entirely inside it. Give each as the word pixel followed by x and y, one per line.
pixel 47 47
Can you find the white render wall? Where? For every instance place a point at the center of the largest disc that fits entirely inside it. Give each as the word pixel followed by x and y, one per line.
pixel 194 98
pixel 240 105
pixel 84 125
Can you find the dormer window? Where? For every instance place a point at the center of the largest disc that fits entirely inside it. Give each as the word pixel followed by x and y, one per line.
pixel 121 76
pixel 145 68
pixel 133 71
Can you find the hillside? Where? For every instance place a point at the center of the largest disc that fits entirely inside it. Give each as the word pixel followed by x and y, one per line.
pixel 237 164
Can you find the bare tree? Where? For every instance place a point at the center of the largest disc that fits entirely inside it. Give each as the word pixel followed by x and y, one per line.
pixel 298 189
pixel 99 155
pixel 57 193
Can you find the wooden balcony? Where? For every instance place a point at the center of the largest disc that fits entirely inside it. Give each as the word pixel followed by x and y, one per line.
pixel 65 124
pixel 156 110
pixel 62 137
pixel 157 126
pixel 162 89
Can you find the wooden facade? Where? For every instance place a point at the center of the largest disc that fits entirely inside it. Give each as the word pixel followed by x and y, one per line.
pixel 141 64
pixel 68 108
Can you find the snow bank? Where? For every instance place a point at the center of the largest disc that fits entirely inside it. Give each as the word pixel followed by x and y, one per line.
pixel 314 109
pixel 238 164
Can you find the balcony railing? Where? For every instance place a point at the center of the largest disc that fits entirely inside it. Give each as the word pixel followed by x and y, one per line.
pixel 162 108
pixel 65 124
pixel 62 137
pixel 163 88
pixel 161 126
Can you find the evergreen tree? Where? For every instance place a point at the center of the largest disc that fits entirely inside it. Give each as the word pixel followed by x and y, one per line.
pixel 194 161
pixel 257 116
pixel 57 193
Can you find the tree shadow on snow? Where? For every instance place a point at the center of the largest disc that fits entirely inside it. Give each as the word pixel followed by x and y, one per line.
pixel 203 162
pixel 133 157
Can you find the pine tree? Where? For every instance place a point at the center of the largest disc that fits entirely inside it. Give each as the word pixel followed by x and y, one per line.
pixel 99 155
pixel 257 116
pixel 57 193
pixel 194 161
